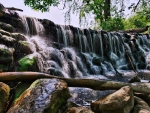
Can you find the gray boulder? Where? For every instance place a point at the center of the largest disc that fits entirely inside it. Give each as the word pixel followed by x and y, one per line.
pixel 43 96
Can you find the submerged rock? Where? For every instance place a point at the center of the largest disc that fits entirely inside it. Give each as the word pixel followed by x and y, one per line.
pixel 122 101
pixel 43 96
pixel 4 95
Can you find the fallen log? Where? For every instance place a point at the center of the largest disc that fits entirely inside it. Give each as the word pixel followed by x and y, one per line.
pixel 88 83
pixel 138 30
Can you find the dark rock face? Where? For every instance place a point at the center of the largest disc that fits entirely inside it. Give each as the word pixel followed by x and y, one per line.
pixel 43 96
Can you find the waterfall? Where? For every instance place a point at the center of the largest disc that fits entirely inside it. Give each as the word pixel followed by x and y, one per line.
pixel 83 52
pixel 32 26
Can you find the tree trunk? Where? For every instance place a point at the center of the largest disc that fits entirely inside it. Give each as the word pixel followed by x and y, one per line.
pixel 88 83
pixel 106 9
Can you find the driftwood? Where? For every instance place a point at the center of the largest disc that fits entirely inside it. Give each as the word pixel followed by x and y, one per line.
pixel 13 8
pixel 138 30
pixel 88 83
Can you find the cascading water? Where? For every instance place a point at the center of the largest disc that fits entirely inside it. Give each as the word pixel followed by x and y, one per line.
pixel 82 52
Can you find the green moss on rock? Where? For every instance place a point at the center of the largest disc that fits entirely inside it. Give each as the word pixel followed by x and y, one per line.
pixel 27 63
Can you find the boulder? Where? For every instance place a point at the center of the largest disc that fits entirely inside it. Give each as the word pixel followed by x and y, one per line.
pixel 79 110
pixel 4 95
pixel 43 96
pixel 140 106
pixel 121 101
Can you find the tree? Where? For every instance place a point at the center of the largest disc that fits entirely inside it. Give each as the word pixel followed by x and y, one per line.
pixel 105 12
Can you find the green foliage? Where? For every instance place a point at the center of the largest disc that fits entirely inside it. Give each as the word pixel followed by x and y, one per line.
pixel 135 21
pixel 112 24
pixel 109 14
pixel 42 5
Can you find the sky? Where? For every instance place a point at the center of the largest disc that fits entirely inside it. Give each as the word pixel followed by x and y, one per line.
pixel 55 15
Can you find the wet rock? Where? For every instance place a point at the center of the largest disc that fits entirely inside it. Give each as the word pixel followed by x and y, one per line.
pixel 79 110
pixel 7 40
pixel 28 63
pixel 140 106
pixel 7 27
pixel 84 96
pixel 18 36
pixel 6 54
pixel 97 61
pixel 43 96
pixel 3 32
pixel 26 47
pixel 4 95
pixel 121 101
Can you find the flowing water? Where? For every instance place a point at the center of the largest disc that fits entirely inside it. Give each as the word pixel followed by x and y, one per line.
pixel 83 52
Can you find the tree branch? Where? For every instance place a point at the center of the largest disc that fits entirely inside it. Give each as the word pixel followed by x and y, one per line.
pixel 136 5
pixel 88 83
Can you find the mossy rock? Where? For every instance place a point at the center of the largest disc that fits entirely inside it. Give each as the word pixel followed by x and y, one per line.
pixel 7 39
pixel 21 87
pixel 28 63
pixel 18 36
pixel 4 95
pixel 26 47
pixel 3 32
pixel 6 54
pixel 5 51
pixel 43 96
pixel 7 27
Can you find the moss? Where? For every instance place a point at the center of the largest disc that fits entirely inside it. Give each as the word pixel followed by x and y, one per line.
pixel 24 43
pixel 27 63
pixel 19 90
pixel 58 102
